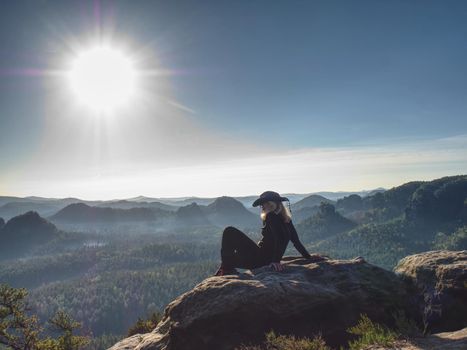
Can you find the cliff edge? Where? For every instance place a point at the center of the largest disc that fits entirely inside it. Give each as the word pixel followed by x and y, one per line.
pixel 311 296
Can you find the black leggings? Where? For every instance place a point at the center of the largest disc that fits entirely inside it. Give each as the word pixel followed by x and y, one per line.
pixel 238 250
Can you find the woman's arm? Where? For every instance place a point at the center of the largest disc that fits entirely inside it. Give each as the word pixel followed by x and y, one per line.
pixel 296 242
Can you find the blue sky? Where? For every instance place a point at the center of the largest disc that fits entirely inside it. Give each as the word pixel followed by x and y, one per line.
pixel 246 80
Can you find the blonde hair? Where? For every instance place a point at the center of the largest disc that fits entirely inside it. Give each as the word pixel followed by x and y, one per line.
pixel 281 209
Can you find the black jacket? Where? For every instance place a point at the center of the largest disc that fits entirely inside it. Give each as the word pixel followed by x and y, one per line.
pixel 276 235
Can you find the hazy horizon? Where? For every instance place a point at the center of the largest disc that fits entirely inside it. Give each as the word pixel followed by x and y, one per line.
pixel 188 196
pixel 216 195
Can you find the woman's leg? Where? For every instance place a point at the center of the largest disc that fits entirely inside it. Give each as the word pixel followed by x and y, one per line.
pixel 238 250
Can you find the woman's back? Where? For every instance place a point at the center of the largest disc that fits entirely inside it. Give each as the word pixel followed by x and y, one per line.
pixel 272 233
pixel 276 235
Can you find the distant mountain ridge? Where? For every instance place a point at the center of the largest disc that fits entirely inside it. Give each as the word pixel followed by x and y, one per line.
pixel 222 212
pixel 226 211
pixel 414 217
pixel 12 206
pixel 191 215
pixel 180 201
pixel 126 204
pixel 324 224
pixel 12 209
pixel 310 201
pixel 81 212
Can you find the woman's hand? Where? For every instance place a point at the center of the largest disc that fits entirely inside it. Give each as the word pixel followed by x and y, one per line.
pixel 277 266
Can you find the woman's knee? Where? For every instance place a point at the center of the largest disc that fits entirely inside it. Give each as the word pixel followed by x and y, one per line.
pixel 230 236
pixel 228 230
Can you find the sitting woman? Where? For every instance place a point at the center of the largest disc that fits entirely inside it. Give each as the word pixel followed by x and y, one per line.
pixel 238 250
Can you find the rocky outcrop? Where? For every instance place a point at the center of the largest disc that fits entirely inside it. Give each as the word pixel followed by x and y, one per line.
pixel 446 341
pixel 440 280
pixel 318 295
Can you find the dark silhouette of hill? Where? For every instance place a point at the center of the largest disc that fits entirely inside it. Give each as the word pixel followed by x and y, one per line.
pixel 191 215
pixel 324 224
pixel 141 199
pixel 24 232
pixel 304 213
pixel 411 218
pixel 125 204
pixel 391 203
pixel 83 213
pixel 373 192
pixel 440 199
pixel 222 212
pixel 351 203
pixel 311 201
pixel 175 201
pixel 226 211
pixel 443 199
pixel 307 207
pixel 334 196
pixel 13 206
pixel 353 207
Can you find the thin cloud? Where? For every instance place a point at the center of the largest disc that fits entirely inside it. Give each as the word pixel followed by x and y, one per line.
pixel 300 170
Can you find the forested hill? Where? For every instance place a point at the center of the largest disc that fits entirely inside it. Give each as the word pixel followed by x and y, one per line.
pixel 441 199
pixel 24 232
pixel 414 217
pixel 81 212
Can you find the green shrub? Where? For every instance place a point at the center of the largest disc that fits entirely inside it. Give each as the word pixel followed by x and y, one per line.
pixel 145 326
pixel 288 342
pixel 370 334
pixel 405 326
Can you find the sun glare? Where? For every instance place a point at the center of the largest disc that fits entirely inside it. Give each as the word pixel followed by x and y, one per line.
pixel 102 78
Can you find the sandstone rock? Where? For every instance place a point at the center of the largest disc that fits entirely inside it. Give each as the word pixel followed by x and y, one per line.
pixel 308 297
pixel 446 341
pixel 440 278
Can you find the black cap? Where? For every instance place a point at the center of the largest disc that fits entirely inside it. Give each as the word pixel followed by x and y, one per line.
pixel 269 196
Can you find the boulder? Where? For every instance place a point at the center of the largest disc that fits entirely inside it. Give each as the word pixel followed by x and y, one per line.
pixel 311 296
pixel 440 280
pixel 447 341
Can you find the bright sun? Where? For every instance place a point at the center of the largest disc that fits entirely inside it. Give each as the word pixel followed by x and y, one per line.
pixel 102 78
